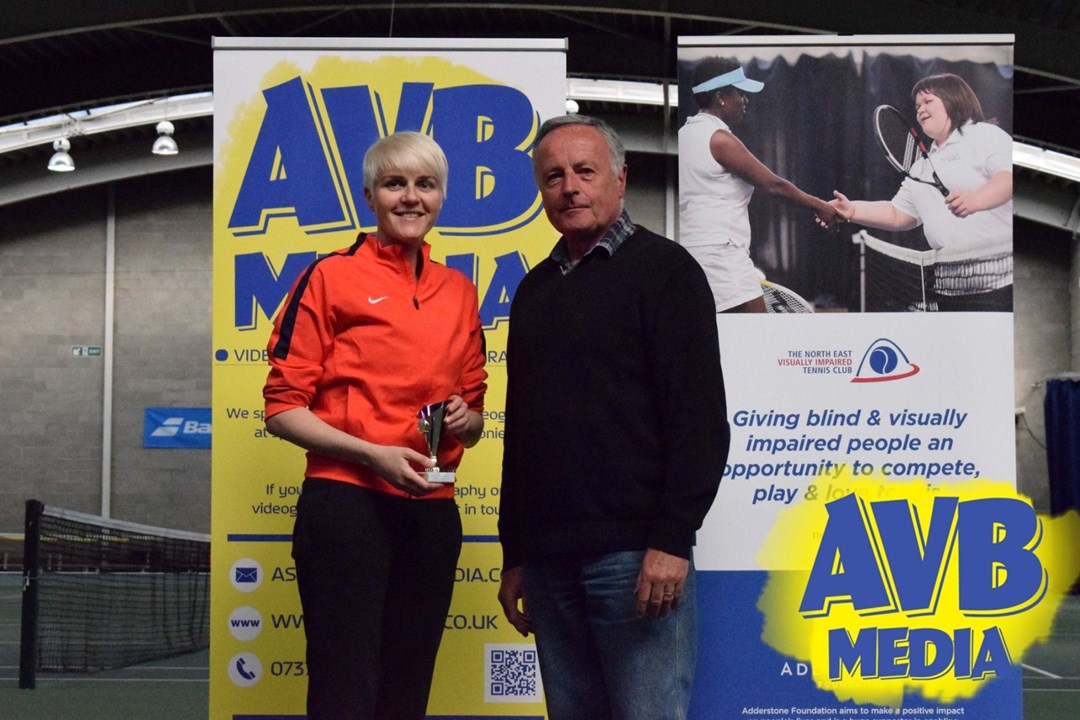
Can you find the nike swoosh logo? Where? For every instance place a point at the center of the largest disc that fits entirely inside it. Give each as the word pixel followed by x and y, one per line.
pixel 377 300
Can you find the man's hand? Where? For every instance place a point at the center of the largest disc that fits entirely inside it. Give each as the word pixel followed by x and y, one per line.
pixel 660 583
pixel 510 595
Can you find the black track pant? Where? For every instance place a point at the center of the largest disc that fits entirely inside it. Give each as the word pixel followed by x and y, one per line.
pixel 375 574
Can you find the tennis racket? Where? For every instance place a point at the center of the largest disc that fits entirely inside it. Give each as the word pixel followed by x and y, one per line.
pixel 779 299
pixel 901 144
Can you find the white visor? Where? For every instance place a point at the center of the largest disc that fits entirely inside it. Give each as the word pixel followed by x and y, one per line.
pixel 736 78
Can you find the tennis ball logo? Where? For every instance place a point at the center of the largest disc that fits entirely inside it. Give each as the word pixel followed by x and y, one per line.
pixel 884 360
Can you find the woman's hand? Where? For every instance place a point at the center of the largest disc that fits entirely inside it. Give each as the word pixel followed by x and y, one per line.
pixel 828 216
pixel 994 192
pixel 962 204
pixel 840 210
pixel 395 465
pixel 458 419
pixel 844 207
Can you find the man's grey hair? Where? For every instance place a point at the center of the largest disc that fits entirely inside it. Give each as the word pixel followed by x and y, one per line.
pixel 615 145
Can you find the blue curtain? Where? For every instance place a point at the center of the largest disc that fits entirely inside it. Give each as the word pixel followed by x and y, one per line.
pixel 1062 406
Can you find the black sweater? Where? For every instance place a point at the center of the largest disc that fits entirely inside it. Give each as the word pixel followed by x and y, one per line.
pixel 616 424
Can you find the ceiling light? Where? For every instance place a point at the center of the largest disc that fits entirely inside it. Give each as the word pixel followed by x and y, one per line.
pixel 165 145
pixel 1047 161
pixel 625 91
pixel 61 161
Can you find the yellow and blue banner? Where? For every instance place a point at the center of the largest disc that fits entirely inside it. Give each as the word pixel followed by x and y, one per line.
pixel 293 118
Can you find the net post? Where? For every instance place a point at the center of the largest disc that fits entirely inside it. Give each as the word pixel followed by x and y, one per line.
pixel 922 283
pixel 859 239
pixel 31 572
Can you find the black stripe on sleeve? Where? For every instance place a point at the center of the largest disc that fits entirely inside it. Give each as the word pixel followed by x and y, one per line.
pixel 288 320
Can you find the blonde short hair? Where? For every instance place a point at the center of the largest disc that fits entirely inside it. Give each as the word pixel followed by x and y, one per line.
pixel 410 151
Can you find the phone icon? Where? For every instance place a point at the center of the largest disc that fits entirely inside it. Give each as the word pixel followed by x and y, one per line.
pixel 242 670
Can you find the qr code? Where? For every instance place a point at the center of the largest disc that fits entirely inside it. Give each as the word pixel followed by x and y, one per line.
pixel 512 674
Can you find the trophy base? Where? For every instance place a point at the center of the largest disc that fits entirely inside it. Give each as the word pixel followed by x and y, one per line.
pixel 439 477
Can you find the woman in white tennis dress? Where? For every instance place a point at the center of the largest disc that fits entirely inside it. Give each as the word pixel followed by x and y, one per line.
pixel 717 176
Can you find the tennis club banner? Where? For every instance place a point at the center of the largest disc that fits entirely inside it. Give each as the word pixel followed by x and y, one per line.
pixel 292 120
pixel 867 555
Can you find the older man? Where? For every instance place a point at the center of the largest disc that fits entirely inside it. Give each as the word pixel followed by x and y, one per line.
pixel 616 438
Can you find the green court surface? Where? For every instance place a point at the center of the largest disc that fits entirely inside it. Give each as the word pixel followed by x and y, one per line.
pixel 1052 669
pixel 173 689
pixel 178 688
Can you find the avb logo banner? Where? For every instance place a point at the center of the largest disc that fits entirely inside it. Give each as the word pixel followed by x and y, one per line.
pixel 293 118
pixel 900 593
pixel 176 428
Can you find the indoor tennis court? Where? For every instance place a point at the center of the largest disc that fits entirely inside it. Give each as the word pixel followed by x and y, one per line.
pixel 178 688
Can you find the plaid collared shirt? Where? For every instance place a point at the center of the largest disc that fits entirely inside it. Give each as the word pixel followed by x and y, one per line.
pixel 613 238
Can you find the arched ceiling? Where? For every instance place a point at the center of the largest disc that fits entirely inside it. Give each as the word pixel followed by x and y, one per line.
pixel 69 55
pixel 65 55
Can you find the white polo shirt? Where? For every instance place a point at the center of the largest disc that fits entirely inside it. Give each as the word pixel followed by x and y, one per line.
pixel 966 161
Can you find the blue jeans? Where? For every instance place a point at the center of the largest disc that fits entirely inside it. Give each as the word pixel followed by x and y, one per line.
pixel 598 660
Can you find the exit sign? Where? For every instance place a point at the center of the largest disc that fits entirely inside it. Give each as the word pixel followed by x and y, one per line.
pixel 86 350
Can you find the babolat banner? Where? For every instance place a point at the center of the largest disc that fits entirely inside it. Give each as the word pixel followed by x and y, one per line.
pixel 176 428
pixel 868 554
pixel 292 121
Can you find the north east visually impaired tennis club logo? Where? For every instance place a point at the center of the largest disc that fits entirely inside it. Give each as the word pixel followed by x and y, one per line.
pixel 882 361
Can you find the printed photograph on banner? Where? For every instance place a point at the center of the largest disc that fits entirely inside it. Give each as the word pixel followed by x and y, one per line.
pixel 836 177
pixel 293 121
pixel 866 388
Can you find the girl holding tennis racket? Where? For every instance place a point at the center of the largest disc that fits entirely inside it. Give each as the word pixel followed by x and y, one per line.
pixel 717 176
pixel 970 160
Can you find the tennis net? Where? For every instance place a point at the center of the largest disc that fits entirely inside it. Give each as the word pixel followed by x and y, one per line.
pixel 101 593
pixel 899 279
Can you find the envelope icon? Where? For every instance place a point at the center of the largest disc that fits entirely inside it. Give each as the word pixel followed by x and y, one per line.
pixel 247 574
